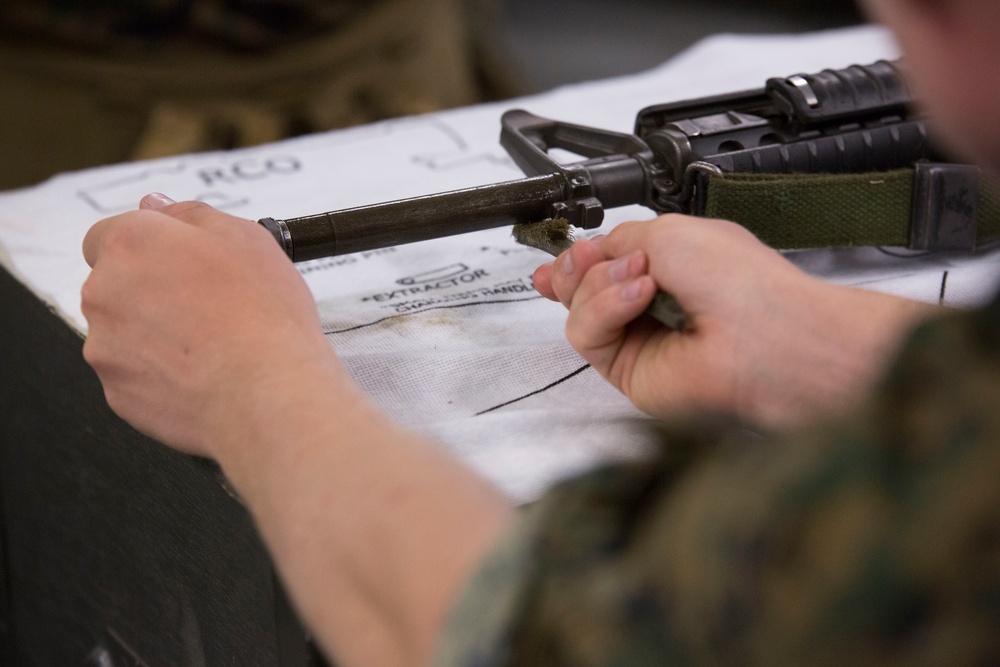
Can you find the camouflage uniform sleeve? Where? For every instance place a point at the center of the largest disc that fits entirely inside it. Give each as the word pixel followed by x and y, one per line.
pixel 872 540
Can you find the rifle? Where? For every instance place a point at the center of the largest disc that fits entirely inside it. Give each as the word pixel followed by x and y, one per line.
pixel 841 157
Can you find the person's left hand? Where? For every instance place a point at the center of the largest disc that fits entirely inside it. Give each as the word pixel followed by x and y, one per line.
pixel 185 338
pixel 206 338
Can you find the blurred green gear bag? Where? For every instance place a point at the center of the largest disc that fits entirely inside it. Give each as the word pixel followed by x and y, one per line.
pixel 68 107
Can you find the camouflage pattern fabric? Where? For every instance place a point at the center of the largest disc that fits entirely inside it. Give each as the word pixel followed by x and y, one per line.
pixel 871 541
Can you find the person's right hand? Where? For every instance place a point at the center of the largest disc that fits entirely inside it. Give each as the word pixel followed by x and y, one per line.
pixel 764 340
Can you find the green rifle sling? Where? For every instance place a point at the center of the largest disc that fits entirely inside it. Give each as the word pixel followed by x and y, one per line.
pixel 790 211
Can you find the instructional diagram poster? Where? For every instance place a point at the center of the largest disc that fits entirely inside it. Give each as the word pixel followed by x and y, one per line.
pixel 448 335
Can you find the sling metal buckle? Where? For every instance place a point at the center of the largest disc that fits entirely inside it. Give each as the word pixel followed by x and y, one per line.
pixel 945 207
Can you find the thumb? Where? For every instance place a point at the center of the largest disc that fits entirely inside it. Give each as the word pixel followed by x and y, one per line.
pixel 194 213
pixel 155 200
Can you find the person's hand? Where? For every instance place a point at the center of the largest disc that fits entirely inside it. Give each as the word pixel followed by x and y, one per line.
pixel 764 341
pixel 193 316
pixel 206 338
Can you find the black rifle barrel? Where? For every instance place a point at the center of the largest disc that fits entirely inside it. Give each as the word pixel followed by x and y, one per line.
pixel 418 219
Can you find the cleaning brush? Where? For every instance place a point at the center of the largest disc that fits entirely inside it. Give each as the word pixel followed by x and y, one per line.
pixel 555 236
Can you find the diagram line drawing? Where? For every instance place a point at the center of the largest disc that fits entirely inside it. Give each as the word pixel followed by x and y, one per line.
pixel 88 196
pixel 903 253
pixel 436 146
pixel 536 392
pixel 433 275
pixel 882 279
pixel 459 156
pixel 330 332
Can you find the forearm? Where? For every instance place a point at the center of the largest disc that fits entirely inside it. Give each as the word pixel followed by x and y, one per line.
pixel 373 528
pixel 842 340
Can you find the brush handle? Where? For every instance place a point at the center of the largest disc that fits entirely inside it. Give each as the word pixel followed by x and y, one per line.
pixel 667 311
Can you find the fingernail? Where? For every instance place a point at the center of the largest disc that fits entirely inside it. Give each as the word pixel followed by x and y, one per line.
pixel 619 270
pixel 156 200
pixel 567 262
pixel 632 290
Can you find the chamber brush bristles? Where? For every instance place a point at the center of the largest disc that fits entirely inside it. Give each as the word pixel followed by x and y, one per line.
pixel 553 235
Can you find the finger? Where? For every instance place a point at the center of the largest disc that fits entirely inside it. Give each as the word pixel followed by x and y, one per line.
pixel 596 326
pixel 199 214
pixel 610 272
pixel 97 238
pixel 541 279
pixel 93 241
pixel 635 235
pixel 680 242
pixel 570 268
pixel 129 231
pixel 155 200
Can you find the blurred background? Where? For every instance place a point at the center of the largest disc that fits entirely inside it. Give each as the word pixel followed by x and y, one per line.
pixel 92 82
